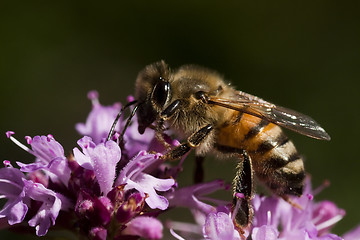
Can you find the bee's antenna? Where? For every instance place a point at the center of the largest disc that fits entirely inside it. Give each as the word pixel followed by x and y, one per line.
pixel 118 117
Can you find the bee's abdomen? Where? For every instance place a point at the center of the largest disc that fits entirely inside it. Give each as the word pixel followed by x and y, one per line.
pixel 275 159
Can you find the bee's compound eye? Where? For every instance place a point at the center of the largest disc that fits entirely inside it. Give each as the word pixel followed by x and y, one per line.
pixel 160 93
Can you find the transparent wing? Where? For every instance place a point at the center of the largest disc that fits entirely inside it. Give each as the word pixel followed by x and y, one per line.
pixel 281 116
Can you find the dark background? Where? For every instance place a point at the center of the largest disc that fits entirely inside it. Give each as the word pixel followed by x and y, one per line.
pixel 300 54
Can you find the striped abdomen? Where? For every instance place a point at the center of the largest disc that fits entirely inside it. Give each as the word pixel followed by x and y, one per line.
pixel 275 159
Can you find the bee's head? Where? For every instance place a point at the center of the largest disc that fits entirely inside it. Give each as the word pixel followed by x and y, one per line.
pixel 153 90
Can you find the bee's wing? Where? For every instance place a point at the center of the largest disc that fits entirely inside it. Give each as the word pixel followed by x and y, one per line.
pixel 281 116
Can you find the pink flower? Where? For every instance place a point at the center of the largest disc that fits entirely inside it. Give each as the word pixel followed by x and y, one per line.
pixel 101 159
pixel 353 234
pixel 313 221
pixel 51 204
pixel 219 225
pixel 133 176
pixel 20 191
pixel 49 155
pixel 146 227
pixel 193 197
pixel 12 188
pixel 100 119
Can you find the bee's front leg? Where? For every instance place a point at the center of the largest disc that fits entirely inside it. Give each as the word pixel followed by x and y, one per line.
pixel 193 141
pixel 112 130
pixel 165 115
pixel 159 134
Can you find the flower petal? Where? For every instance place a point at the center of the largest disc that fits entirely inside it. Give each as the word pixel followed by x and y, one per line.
pixel 14 210
pixel 82 159
pixel 12 188
pixel 99 120
pixel 52 203
pixel 146 227
pixel 263 205
pixel 46 148
pixel 104 159
pixel 265 232
pixel 146 183
pixel 50 157
pixel 132 175
pixel 150 184
pixel 220 226
pixel 325 215
pixel 332 237
pixel 191 196
pixel 353 234
pixel 101 159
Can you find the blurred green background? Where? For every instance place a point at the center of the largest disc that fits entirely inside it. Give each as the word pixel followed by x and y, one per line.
pixel 304 55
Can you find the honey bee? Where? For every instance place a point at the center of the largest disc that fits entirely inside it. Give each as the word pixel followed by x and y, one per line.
pixel 198 105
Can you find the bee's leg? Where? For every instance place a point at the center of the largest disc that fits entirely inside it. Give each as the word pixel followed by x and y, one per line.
pixel 132 114
pixel 193 141
pixel 199 169
pixel 243 192
pixel 112 130
pixel 159 133
pixel 165 114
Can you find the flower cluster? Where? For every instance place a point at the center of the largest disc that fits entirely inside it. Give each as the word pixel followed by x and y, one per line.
pixel 274 219
pixel 104 191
